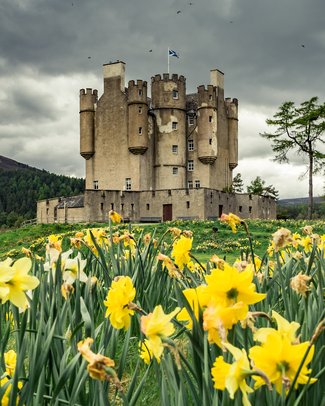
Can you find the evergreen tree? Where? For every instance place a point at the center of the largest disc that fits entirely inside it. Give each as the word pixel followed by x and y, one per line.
pixel 300 129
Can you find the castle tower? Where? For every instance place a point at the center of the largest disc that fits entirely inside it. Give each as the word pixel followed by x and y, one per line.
pixel 137 117
pixel 232 110
pixel 88 100
pixel 169 107
pixel 207 125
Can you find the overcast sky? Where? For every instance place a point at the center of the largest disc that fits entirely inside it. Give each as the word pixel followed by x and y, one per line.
pixel 270 51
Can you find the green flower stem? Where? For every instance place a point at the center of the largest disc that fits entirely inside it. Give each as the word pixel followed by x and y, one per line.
pixel 250 242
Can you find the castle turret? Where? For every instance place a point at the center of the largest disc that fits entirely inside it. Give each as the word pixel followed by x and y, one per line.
pixel 232 113
pixel 207 124
pixel 169 107
pixel 137 117
pixel 88 100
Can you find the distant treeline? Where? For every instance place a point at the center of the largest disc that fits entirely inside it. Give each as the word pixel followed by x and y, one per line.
pixel 300 211
pixel 20 190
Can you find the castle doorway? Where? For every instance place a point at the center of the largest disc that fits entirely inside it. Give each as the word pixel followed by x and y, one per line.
pixel 167 212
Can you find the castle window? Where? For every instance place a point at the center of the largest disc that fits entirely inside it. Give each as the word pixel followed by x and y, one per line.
pixel 140 109
pixel 148 206
pixel 190 184
pixel 190 165
pixel 102 206
pixel 210 141
pixel 190 145
pixel 96 184
pixel 187 204
pixel 175 149
pixel 140 130
pixel 250 209
pixel 240 209
pixel 197 184
pixel 127 183
pixel 140 92
pixel 210 119
pixel 132 207
pixel 112 206
pixel 47 211
pixel 174 125
pixel 169 192
pixel 175 170
pixel 190 120
pixel 175 94
pixel 210 96
pixel 122 206
pixel 250 197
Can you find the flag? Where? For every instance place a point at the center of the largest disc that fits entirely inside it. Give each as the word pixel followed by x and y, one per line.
pixel 173 53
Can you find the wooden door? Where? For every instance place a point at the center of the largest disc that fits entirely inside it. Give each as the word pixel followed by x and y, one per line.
pixel 167 212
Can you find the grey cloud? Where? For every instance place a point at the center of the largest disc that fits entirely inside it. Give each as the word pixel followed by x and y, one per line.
pixel 256 43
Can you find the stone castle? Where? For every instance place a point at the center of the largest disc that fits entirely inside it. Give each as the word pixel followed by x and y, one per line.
pixel 164 157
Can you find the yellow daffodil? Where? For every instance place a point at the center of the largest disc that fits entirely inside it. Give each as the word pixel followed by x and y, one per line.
pixel 10 358
pixel 146 352
pixel 54 241
pixel 232 220
pixel 218 319
pixel 181 251
pixel 229 286
pixel 279 359
pixel 194 299
pixel 114 216
pixel 15 281
pixel 67 290
pixel 233 376
pixel 120 294
pixel 157 326
pixel 284 328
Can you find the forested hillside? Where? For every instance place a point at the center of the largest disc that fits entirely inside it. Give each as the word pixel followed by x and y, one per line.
pixel 21 186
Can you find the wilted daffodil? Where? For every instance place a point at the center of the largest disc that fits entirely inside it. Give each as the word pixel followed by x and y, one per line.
pixel 232 220
pixel 99 366
pixel 181 251
pixel 156 326
pixel 15 281
pixel 280 360
pixel 300 284
pixel 233 376
pixel 120 295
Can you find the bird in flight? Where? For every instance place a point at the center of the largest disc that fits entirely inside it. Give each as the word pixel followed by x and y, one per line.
pixel 150 50
pixel 302 46
pixel 89 57
pixel 179 12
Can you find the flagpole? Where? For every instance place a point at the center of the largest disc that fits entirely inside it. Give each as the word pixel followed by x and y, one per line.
pixel 168 61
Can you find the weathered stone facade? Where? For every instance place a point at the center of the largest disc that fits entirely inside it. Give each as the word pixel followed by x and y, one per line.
pixel 164 157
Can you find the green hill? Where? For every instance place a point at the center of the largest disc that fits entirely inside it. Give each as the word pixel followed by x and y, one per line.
pixel 22 185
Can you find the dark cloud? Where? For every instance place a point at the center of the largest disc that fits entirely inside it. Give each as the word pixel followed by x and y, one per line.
pixel 50 49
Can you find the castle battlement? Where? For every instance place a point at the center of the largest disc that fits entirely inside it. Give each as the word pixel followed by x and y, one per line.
pixel 88 91
pixel 167 77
